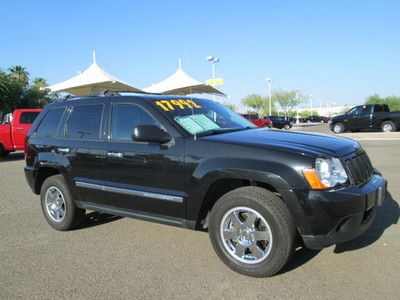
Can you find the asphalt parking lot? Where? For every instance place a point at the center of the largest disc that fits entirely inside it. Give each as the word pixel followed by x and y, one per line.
pixel 112 257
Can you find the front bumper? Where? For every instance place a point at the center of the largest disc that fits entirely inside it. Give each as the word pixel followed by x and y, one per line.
pixel 341 215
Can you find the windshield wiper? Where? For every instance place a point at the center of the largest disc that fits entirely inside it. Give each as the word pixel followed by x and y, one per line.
pixel 222 130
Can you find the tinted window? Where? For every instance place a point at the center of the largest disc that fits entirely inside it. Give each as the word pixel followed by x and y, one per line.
pixel 84 122
pixel 127 116
pixel 28 117
pixel 48 126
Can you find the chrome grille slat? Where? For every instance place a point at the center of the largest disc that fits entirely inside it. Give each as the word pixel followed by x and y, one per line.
pixel 359 167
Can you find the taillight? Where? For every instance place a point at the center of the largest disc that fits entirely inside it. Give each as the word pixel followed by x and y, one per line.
pixel 26 149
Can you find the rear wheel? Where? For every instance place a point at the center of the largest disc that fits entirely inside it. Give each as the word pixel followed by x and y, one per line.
pixel 252 231
pixel 58 205
pixel 338 128
pixel 3 153
pixel 287 126
pixel 388 126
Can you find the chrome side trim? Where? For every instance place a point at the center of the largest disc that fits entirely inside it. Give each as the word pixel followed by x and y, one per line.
pixel 129 192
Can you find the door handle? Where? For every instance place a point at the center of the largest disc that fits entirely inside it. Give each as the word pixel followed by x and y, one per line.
pixel 64 150
pixel 19 128
pixel 115 154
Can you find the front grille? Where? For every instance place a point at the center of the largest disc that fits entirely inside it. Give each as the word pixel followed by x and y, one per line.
pixel 359 166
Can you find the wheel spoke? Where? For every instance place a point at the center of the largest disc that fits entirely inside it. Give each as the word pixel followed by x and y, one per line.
pixel 230 234
pixel 251 219
pixel 234 218
pixel 262 235
pixel 240 250
pixel 256 251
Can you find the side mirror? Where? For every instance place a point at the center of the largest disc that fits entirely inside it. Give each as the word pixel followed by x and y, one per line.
pixel 150 134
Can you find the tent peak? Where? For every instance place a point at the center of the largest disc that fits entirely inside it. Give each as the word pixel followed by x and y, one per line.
pixel 94 57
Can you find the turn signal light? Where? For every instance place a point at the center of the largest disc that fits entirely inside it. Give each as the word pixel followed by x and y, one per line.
pixel 312 178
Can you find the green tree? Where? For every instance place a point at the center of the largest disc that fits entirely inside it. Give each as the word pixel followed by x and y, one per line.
pixel 392 101
pixel 16 92
pixel 256 102
pixel 20 74
pixel 287 100
pixel 231 106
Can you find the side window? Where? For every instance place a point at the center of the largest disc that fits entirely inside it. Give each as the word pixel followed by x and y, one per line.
pixel 366 109
pixel 355 111
pixel 127 116
pixel 28 117
pixel 84 122
pixel 49 125
pixel 378 108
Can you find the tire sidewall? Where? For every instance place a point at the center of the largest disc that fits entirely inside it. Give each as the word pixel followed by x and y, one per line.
pixel 257 269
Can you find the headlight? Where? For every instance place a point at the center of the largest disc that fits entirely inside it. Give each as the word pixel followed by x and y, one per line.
pixel 328 172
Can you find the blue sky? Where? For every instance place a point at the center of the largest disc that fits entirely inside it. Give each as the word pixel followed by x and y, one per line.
pixel 338 51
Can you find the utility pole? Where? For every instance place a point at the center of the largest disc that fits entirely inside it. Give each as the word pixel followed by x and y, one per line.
pixel 269 80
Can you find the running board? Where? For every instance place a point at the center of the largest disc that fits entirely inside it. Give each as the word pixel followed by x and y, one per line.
pixel 135 215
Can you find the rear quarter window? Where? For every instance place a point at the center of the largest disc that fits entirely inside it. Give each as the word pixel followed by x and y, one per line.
pixel 28 117
pixel 84 122
pixel 49 125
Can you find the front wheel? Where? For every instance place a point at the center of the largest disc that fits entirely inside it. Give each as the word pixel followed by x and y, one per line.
pixel 338 128
pixel 252 231
pixel 388 126
pixel 286 127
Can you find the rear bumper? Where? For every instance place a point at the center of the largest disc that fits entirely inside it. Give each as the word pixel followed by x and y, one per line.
pixel 30 175
pixel 345 214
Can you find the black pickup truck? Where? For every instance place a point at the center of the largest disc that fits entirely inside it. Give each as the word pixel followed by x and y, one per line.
pixel 193 163
pixel 367 117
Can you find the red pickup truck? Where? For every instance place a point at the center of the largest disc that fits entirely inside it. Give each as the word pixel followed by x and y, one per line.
pixel 254 118
pixel 13 131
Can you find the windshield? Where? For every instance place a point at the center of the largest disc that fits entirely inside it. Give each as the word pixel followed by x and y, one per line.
pixel 202 117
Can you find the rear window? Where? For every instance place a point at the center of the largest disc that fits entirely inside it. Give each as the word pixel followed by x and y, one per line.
pixel 28 117
pixel 49 125
pixel 84 122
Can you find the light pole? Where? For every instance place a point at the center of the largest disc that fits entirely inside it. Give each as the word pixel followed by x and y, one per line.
pixel 213 60
pixel 269 80
pixel 311 105
pixel 297 106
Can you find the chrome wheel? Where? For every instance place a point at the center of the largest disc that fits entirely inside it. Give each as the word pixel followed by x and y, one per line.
pixel 55 204
pixel 246 235
pixel 337 128
pixel 387 128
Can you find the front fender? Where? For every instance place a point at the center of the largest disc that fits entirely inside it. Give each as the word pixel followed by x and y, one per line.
pixel 266 172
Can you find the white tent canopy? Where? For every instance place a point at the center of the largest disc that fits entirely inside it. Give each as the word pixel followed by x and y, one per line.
pixel 181 83
pixel 92 81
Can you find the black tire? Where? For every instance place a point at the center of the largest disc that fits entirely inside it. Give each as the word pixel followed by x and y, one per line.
pixel 287 127
pixel 338 128
pixel 3 153
pixel 278 218
pixel 388 126
pixel 72 216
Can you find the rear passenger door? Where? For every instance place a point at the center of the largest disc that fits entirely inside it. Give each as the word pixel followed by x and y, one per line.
pixel 82 144
pixel 145 178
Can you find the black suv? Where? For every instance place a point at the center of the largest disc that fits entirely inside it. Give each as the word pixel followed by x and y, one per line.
pixel 193 163
pixel 279 122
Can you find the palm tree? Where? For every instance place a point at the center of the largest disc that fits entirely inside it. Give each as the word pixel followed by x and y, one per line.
pixel 20 73
pixel 39 82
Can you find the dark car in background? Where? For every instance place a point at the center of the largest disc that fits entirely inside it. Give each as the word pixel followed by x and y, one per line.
pixel 317 119
pixel 279 122
pixel 367 117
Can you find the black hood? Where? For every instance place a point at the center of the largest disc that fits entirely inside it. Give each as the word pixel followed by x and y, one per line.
pixel 305 143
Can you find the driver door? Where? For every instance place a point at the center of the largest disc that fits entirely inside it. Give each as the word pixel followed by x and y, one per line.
pixel 142 177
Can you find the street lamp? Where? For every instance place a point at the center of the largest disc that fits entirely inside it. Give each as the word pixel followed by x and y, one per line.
pixel 269 80
pixel 311 105
pixel 297 106
pixel 213 60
